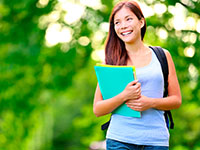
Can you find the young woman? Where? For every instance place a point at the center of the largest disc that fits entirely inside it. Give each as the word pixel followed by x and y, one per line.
pixel 125 46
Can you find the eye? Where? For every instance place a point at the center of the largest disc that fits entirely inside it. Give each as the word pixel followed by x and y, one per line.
pixel 116 22
pixel 129 19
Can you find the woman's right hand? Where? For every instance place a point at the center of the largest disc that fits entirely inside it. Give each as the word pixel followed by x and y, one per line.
pixel 132 91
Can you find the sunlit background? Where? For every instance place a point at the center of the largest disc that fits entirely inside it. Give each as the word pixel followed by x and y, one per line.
pixel 48 52
pixel 72 12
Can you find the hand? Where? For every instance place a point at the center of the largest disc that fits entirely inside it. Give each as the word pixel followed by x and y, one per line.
pixel 141 104
pixel 132 91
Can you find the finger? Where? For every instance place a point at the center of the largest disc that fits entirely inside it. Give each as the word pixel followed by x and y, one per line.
pixel 137 85
pixel 134 101
pixel 135 108
pixel 130 106
pixel 131 103
pixel 138 91
pixel 133 83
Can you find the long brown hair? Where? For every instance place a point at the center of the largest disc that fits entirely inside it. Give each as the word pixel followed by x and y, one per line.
pixel 115 51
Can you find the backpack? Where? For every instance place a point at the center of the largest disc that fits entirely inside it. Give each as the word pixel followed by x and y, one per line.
pixel 164 65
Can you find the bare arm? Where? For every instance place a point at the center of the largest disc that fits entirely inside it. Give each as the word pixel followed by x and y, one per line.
pixel 103 107
pixel 173 101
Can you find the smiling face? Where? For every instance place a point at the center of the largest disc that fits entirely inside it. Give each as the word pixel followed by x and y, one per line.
pixel 127 26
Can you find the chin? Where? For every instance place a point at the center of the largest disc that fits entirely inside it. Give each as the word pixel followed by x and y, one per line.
pixel 129 41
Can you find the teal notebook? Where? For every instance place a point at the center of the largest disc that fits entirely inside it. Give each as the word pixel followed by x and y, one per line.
pixel 112 81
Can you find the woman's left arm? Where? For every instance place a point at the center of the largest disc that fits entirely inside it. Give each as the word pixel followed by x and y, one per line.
pixel 172 101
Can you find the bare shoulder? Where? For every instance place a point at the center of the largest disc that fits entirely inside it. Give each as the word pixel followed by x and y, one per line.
pixel 168 55
pixel 166 51
pixel 170 60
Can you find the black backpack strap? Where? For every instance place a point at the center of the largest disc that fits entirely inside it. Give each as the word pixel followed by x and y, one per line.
pixel 163 61
pixel 164 65
pixel 105 125
pixel 169 118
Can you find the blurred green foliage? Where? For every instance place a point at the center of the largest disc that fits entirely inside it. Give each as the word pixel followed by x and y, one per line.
pixel 46 91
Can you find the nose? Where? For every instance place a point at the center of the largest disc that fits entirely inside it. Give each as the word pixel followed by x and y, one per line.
pixel 123 25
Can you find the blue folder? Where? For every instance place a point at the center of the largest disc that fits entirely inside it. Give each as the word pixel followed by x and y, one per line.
pixel 112 81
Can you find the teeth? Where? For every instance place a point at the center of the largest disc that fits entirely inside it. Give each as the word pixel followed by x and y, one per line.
pixel 126 33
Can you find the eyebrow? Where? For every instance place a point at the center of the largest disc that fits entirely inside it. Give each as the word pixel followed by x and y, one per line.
pixel 124 17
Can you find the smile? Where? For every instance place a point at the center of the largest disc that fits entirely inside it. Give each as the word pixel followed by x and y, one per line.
pixel 126 33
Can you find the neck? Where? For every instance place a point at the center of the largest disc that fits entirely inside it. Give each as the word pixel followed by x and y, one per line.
pixel 135 48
